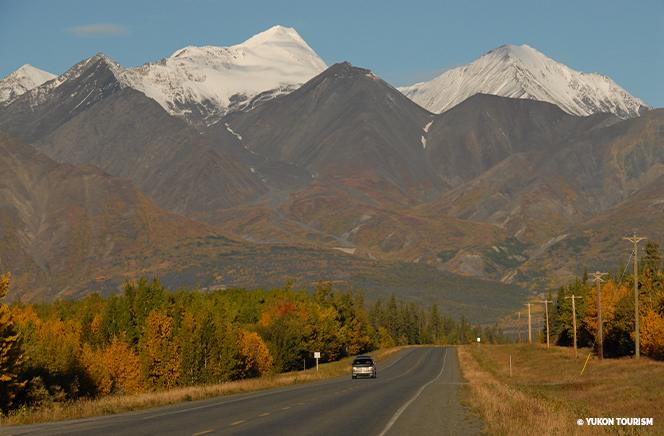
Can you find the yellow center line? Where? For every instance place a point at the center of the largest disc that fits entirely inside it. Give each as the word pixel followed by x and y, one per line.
pixel 299 404
pixel 286 408
pixel 236 423
pixel 264 414
pixel 203 432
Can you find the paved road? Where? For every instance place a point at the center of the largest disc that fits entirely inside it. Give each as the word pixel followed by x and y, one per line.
pixel 416 393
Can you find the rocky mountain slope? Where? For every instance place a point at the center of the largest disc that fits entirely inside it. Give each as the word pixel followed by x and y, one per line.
pixel 346 126
pixel 537 193
pixel 64 228
pixel 129 135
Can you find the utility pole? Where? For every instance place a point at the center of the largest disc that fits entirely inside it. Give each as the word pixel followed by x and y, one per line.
pixel 635 240
pixel 597 278
pixel 518 341
pixel 574 297
pixel 530 334
pixel 546 308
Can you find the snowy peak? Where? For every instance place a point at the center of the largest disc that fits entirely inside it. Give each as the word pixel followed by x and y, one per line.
pixel 275 35
pixel 21 81
pixel 523 72
pixel 524 54
pixel 203 84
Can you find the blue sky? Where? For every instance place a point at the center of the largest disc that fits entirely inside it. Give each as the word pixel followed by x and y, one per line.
pixel 402 42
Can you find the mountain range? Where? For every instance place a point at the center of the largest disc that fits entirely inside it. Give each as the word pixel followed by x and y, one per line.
pixel 525 174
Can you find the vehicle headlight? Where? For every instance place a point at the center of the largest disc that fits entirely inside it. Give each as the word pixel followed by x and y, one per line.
pixel 354 369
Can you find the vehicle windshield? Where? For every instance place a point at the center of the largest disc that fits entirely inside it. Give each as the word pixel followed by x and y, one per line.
pixel 362 362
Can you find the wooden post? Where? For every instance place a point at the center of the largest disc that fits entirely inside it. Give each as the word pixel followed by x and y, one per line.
pixel 574 297
pixel 636 239
pixel 518 341
pixel 598 278
pixel 546 309
pixel 530 332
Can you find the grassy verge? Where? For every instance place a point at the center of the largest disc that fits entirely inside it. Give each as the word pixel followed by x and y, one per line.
pixel 113 404
pixel 546 393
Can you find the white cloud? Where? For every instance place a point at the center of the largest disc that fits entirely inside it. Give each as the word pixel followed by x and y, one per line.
pixel 100 30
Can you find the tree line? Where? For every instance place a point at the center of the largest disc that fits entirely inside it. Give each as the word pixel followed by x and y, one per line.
pixel 618 311
pixel 149 338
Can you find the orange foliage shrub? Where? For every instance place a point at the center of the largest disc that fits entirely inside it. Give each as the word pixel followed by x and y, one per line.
pixel 278 310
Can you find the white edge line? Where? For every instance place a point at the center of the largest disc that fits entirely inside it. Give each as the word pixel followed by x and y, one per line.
pixel 405 406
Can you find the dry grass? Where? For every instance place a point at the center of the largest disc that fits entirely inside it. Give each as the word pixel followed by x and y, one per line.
pixel 547 394
pixel 113 404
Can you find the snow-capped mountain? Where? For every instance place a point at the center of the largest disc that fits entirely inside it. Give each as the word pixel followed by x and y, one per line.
pixel 204 83
pixel 20 81
pixel 523 72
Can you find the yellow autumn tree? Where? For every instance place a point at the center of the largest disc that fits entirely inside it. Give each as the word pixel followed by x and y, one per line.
pixel 11 355
pixel 651 333
pixel 386 340
pixel 254 357
pixel 124 367
pixel 97 369
pixel 159 352
pixel 611 294
pixel 651 314
pixel 58 346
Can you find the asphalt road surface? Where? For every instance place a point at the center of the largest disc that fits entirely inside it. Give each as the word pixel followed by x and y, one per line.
pixel 416 393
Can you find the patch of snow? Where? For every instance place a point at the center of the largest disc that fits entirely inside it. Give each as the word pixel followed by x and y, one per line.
pixel 233 133
pixel 346 250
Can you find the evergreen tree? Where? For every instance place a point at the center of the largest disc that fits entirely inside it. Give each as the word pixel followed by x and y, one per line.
pixel 651 263
pixel 139 301
pixel 391 320
pixel 435 327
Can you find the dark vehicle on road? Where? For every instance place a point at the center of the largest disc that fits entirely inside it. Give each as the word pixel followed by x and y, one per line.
pixel 364 366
